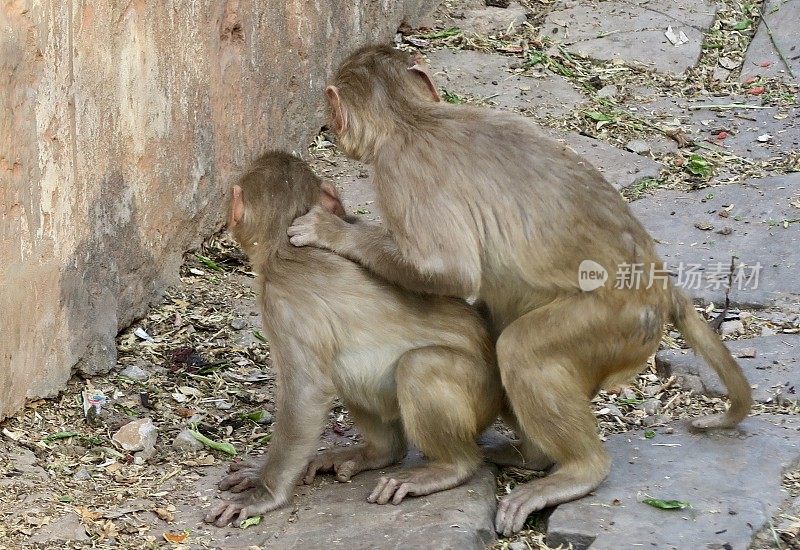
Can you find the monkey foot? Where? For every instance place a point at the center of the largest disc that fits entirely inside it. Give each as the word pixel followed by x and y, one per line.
pixel 514 509
pixel 417 482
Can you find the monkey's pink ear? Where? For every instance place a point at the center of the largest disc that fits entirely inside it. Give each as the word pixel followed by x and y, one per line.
pixel 337 109
pixel 237 208
pixel 420 69
pixel 330 199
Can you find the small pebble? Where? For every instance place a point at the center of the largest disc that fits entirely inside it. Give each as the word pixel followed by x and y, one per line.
pixel 747 353
pixel 609 90
pixel 650 406
pixel 135 372
pixel 81 474
pixel 238 323
pixel 186 442
pixel 732 327
pixel 638 146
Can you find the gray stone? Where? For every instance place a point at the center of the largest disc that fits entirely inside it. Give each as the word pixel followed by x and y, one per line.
pixel 729 328
pixel 656 420
pixel 619 167
pixel 774 371
pixel 650 406
pixel 609 90
pixel 490 19
pixel 784 19
pixel 135 372
pixel 137 435
pixel 186 442
pixel 483 75
pixel 758 237
pixel 334 515
pixel 732 479
pixel 81 474
pixel 638 146
pixel 238 323
pixel 63 529
pixel 633 32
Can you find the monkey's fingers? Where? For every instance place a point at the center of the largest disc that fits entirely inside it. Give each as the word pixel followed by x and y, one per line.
pixel 233 479
pixel 245 484
pixel 347 470
pixel 222 514
pixel 384 490
pixel 514 509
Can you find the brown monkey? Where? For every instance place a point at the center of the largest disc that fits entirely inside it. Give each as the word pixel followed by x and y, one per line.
pixel 483 203
pixel 405 364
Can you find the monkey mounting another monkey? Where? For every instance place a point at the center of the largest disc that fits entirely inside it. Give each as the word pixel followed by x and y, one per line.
pixel 406 365
pixel 483 203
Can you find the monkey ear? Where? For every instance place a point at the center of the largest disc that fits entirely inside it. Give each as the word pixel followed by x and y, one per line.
pixel 337 108
pixel 237 207
pixel 329 200
pixel 421 69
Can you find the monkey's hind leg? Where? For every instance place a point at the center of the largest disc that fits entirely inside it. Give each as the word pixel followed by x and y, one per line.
pixel 547 387
pixel 439 392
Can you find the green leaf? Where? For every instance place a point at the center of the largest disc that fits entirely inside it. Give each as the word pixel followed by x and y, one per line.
pixel 598 116
pixel 59 435
pixel 222 446
pixel 249 522
pixel 208 262
pixel 451 97
pixel 256 416
pixel 257 334
pixel 698 166
pixel 666 504
pixel 649 434
pixel 444 33
pixel 742 25
pixel 65 498
pixel 266 439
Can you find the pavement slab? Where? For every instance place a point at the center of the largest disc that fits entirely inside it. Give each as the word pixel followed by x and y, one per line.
pixel 731 479
pixel 632 31
pixel 329 515
pixel 774 371
pixel 762 59
pixel 759 229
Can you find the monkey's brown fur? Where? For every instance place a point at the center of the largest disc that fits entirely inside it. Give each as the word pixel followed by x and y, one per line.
pixel 483 203
pixel 405 365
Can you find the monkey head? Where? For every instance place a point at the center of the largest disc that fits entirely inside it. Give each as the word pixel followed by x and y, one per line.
pixel 375 89
pixel 276 189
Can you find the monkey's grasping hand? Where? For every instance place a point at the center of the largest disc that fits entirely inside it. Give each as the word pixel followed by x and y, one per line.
pixel 244 475
pixel 255 502
pixel 318 228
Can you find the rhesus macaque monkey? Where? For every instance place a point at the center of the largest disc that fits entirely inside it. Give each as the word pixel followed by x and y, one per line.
pixel 483 203
pixel 406 365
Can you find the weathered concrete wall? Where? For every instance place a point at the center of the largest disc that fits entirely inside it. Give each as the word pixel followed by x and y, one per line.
pixel 122 125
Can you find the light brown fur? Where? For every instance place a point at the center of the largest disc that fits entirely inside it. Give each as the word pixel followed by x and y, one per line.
pixel 483 203
pixel 407 366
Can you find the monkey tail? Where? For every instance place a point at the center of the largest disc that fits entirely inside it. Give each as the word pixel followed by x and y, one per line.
pixel 706 343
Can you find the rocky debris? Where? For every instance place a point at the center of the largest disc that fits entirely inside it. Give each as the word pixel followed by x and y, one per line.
pixel 607 91
pixel 633 32
pixel 770 363
pixel 139 435
pixel 67 528
pixel 492 19
pixel 761 237
pixel 638 146
pixel 731 481
pixel 762 59
pixel 186 442
pixel 238 323
pixel 135 372
pixel 731 328
pixel 490 77
pixel 334 515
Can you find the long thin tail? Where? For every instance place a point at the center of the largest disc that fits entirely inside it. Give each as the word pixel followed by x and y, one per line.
pixel 706 343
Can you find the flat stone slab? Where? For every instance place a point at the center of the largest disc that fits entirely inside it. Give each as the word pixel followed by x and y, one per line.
pixel 778 128
pixel 484 75
pixel 619 167
pixel 731 479
pixel 333 515
pixel 762 58
pixel 757 236
pixel 632 31
pixel 775 369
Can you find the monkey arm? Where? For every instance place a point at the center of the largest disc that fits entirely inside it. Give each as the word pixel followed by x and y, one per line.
pixel 302 407
pixel 374 248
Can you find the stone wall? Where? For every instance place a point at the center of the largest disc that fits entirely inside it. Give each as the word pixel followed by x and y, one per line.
pixel 122 125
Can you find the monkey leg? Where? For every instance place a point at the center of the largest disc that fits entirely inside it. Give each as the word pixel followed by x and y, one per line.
pixel 546 371
pixel 384 444
pixel 443 397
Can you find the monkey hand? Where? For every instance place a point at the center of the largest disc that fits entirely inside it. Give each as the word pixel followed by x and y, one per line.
pixel 255 502
pixel 318 228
